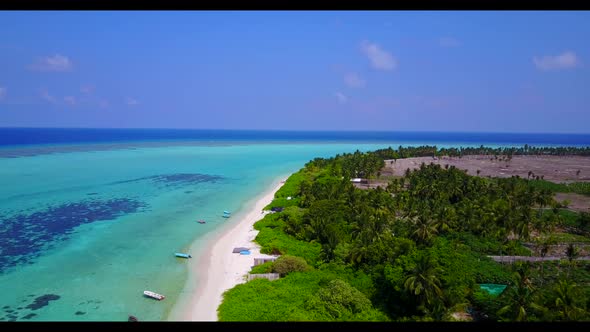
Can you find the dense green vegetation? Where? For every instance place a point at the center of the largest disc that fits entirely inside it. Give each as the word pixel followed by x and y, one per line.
pixel 582 188
pixel 414 251
pixel 499 153
pixel 317 295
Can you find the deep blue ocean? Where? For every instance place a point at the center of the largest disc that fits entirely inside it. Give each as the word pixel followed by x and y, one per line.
pixel 36 136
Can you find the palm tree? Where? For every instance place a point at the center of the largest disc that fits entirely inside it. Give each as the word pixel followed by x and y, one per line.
pixel 544 249
pixel 423 282
pixel 521 296
pixel 572 253
pixel 567 301
pixel 445 219
pixel 424 229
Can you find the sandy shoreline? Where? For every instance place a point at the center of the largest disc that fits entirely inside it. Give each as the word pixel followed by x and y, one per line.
pixel 224 269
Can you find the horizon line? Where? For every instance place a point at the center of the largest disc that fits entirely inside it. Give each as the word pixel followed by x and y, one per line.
pixel 306 130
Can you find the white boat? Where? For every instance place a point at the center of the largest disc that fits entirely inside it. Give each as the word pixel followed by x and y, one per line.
pixel 183 255
pixel 153 295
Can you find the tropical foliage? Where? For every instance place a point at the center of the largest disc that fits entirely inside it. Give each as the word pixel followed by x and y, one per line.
pixel 416 250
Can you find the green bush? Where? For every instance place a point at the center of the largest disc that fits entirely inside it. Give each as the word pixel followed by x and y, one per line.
pixel 582 188
pixel 269 221
pixel 273 301
pixel 262 268
pixel 339 300
pixel 487 246
pixel 565 217
pixel 275 241
pixel 515 248
pixel 583 220
pixel 283 202
pixel 356 278
pixel 292 184
pixel 291 299
pixel 287 264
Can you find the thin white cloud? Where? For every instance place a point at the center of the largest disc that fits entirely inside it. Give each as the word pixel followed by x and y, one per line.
pixel 379 58
pixel 44 94
pixel 70 100
pixel 2 92
pixel 104 103
pixel 87 89
pixel 354 81
pixel 566 60
pixel 131 102
pixel 448 42
pixel 55 62
pixel 342 99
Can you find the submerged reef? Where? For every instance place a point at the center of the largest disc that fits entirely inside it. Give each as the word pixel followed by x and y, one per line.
pixel 42 301
pixel 25 236
pixel 176 180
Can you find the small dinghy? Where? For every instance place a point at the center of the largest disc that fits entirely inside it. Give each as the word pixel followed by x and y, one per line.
pixel 179 254
pixel 201 221
pixel 226 214
pixel 153 295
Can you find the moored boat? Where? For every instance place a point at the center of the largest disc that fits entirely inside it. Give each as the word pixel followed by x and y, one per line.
pixel 179 254
pixel 201 221
pixel 154 295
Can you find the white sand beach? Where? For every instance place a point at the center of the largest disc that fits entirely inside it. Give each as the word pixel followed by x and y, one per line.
pixel 218 269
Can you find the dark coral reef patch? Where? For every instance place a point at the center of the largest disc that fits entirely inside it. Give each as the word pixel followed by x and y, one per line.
pixel 176 180
pixel 25 236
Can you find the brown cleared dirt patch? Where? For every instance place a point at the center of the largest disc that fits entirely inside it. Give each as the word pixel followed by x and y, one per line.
pixel 559 169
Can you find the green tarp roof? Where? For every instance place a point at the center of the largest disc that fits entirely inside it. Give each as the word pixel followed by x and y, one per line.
pixel 493 289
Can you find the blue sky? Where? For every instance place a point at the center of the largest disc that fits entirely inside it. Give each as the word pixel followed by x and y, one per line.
pixel 325 70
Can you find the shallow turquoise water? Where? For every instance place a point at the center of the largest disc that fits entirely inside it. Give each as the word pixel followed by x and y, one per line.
pixel 144 204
